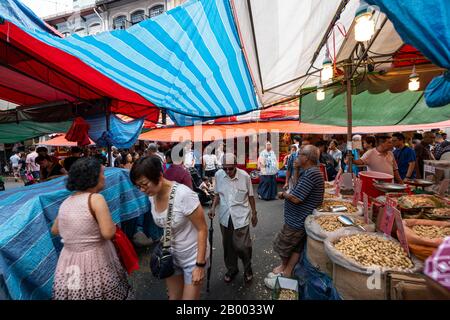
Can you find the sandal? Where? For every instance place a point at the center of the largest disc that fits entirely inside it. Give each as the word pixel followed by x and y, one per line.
pixel 230 276
pixel 248 277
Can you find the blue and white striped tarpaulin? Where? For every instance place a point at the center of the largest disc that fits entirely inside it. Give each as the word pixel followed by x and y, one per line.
pixel 28 251
pixel 188 60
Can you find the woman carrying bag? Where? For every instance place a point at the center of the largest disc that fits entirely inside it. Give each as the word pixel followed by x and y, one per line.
pixel 88 267
pixel 186 231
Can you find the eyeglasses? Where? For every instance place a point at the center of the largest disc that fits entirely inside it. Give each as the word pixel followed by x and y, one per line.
pixel 228 169
pixel 143 185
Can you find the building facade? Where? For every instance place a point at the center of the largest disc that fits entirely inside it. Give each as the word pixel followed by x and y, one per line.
pixel 93 16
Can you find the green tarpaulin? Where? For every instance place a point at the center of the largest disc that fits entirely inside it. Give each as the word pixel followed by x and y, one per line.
pixel 372 109
pixel 24 130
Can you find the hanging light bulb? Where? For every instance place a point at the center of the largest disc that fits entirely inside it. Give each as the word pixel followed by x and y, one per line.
pixel 320 94
pixel 364 24
pixel 414 82
pixel 327 69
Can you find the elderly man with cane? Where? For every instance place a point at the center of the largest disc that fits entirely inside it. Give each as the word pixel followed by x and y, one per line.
pixel 235 204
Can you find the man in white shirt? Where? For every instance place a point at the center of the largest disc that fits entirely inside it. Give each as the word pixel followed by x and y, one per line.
pixel 14 159
pixel 210 163
pixel 297 141
pixel 189 161
pixel 32 166
pixel 235 204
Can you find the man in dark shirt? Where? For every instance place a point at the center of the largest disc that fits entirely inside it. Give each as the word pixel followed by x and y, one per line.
pixel 404 156
pixel 423 153
pixel 176 171
pixel 75 154
pixel 49 168
pixel 306 196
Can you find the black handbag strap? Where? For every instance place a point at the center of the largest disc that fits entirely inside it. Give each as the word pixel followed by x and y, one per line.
pixel 167 238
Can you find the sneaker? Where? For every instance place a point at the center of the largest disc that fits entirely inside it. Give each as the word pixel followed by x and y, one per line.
pixel 141 240
pixel 270 282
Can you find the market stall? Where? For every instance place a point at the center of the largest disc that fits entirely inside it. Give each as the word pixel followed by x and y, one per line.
pixel 28 251
pixel 400 231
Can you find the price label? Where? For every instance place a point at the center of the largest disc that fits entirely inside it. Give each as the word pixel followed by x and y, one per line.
pixel 357 194
pixel 387 221
pixel 401 231
pixel 390 202
pixel 366 207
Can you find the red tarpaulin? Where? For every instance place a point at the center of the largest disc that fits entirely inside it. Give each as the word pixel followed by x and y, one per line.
pixel 32 72
pixel 61 141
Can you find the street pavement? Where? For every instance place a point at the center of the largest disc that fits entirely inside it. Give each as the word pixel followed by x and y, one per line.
pixel 11 184
pixel 270 221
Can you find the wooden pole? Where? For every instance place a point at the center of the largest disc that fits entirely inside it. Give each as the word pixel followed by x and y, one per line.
pixel 348 73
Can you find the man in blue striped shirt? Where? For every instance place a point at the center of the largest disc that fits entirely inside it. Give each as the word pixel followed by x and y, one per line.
pixel 306 196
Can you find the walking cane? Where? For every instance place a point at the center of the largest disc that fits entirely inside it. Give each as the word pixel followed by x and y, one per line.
pixel 211 231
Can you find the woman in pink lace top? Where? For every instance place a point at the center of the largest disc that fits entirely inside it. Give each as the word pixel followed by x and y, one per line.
pixel 88 267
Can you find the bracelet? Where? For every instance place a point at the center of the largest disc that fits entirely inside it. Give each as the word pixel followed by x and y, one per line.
pixel 201 265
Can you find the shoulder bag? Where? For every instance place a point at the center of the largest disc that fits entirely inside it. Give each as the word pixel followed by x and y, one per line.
pixel 161 262
pixel 124 248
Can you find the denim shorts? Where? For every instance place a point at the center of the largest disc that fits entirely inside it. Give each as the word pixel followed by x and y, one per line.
pixel 187 271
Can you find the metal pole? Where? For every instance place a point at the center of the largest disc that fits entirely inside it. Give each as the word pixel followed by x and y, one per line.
pixel 250 12
pixel 108 117
pixel 348 73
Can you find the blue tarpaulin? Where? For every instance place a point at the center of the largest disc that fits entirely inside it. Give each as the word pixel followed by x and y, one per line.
pixel 28 251
pixel 426 26
pixel 121 134
pixel 188 60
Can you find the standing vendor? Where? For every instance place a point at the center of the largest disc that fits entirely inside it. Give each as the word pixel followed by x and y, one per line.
pixel 404 156
pixel 381 158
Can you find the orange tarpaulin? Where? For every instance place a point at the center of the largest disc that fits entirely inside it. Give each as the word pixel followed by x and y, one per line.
pixel 218 132
pixel 61 141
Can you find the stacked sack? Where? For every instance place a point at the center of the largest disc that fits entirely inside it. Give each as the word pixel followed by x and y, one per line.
pixel 424 236
pixel 319 227
pixel 361 260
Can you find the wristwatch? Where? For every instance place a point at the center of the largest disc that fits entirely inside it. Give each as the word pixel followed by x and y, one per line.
pixel 201 265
